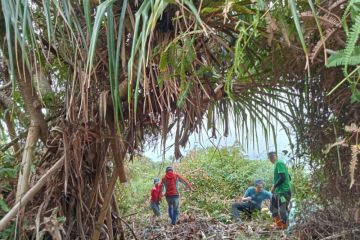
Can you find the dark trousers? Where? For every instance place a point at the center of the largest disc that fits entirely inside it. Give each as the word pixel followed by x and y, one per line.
pixel 245 207
pixel 280 205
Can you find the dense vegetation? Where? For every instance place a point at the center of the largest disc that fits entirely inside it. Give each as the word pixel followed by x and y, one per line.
pixel 85 84
pixel 219 177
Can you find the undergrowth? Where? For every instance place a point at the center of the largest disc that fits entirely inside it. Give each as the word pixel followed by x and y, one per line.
pixel 219 178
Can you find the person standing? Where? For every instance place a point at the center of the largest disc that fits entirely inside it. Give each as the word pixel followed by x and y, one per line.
pixel 251 201
pixel 281 191
pixel 170 185
pixel 156 197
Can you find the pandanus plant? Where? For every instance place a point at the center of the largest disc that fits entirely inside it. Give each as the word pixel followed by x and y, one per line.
pixel 124 72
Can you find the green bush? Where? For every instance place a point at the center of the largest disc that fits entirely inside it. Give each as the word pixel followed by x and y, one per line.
pixel 134 195
pixel 219 177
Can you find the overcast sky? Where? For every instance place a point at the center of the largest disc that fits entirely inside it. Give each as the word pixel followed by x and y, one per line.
pixel 202 141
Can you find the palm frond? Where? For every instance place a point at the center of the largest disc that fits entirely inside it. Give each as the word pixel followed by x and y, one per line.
pixel 294 12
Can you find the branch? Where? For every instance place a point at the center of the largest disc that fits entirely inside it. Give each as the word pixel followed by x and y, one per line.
pixel 5 86
pixel 30 194
pixel 128 225
pixel 23 134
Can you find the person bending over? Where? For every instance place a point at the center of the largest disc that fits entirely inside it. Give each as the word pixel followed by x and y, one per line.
pixel 251 201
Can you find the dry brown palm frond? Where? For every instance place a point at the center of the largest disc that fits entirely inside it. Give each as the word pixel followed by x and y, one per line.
pixel 320 44
pixel 336 4
pixel 339 143
pixel 285 33
pixel 327 20
pixel 271 28
pixel 352 128
pixel 355 150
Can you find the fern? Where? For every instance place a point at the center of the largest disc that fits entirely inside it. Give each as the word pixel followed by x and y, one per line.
pixel 351 41
pixel 339 59
pixel 351 5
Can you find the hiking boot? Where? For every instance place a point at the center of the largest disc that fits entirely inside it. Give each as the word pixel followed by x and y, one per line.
pixel 283 226
pixel 277 222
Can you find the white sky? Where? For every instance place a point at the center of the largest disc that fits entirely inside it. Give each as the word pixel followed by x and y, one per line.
pixel 202 141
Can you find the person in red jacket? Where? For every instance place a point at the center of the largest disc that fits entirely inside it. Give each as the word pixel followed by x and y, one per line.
pixel 156 197
pixel 170 185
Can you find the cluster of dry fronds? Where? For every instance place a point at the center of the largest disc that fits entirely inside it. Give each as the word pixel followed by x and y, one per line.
pixel 332 222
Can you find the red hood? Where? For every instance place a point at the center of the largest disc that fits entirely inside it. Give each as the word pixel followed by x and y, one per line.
pixel 170 181
pixel 170 175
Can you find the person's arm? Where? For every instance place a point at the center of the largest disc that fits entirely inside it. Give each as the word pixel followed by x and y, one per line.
pixel 269 195
pixel 151 194
pixel 280 180
pixel 160 191
pixel 185 182
pixel 163 188
pixel 246 196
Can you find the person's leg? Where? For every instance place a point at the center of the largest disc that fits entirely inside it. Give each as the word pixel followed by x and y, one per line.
pixel 154 208
pixel 284 207
pixel 170 207
pixel 274 208
pixel 235 211
pixel 240 207
pixel 176 203
pixel 157 209
pixel 252 207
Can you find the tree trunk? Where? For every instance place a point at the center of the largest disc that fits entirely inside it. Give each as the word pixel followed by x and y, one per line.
pixel 27 159
pixel 119 148
pixel 38 126
pixel 104 208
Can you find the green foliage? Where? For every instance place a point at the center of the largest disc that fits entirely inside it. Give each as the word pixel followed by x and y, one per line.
pixel 351 54
pixel 8 233
pixel 134 196
pixel 3 206
pixel 302 189
pixel 339 58
pixel 176 62
pixel 351 41
pixel 8 174
pixel 297 23
pixel 220 176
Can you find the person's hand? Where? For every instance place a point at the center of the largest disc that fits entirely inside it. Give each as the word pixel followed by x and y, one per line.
pixel 272 189
pixel 247 198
